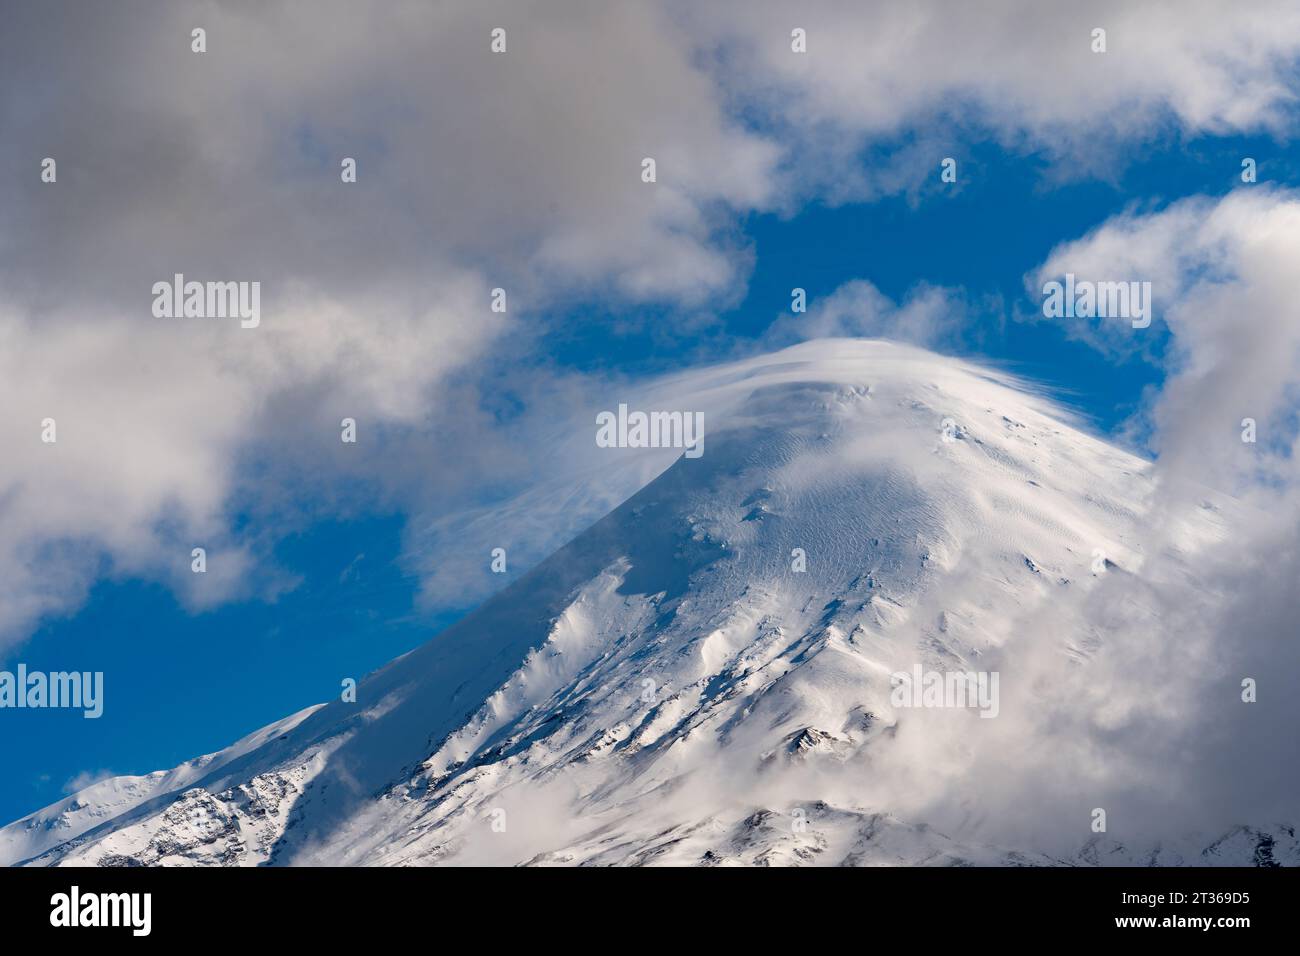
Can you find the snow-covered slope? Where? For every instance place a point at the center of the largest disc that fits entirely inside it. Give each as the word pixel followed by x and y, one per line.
pixel 670 687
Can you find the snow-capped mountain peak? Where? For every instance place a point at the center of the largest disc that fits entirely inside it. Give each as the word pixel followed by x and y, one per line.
pixel 708 674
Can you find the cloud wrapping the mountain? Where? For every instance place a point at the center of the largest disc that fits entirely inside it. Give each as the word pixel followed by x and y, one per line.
pixel 475 171
pixel 1159 708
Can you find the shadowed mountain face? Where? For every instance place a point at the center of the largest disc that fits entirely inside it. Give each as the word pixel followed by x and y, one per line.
pixel 705 675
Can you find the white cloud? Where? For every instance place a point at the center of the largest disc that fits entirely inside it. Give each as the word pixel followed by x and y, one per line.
pixel 1179 640
pixel 155 417
pixel 928 74
pixel 929 316
pixel 86 779
pixel 1222 275
pixel 476 170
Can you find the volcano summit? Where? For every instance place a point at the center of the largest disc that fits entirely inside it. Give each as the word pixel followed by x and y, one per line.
pixel 703 676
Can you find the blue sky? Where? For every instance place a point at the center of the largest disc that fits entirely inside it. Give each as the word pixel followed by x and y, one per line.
pixel 180 684
pixel 775 172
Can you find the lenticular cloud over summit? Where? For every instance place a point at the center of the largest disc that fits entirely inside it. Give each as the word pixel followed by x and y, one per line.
pixel 711 673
